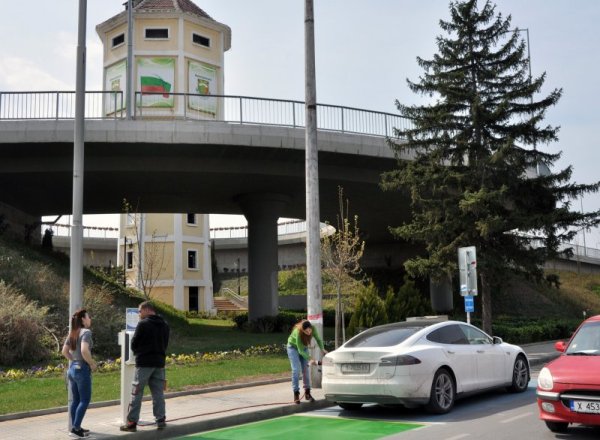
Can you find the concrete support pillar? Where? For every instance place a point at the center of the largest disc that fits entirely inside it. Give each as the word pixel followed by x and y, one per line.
pixel 261 212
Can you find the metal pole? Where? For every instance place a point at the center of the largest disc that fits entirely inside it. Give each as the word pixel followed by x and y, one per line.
pixel 583 231
pixel 313 239
pixel 130 87
pixel 238 277
pixel 76 251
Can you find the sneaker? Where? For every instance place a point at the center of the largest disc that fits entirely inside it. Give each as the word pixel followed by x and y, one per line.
pixel 129 427
pixel 308 396
pixel 78 433
pixel 85 431
pixel 161 424
pixel 297 397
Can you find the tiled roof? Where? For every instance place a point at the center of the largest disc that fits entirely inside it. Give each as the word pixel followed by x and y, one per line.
pixel 169 6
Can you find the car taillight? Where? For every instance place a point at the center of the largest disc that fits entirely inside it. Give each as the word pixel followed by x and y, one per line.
pixel 404 359
pixel 327 362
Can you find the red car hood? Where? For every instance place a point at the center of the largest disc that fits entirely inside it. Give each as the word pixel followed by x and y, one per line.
pixel 576 370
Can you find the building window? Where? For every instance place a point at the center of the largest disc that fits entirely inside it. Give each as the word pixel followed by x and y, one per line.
pixel 192 259
pixel 157 33
pixel 118 40
pixel 129 260
pixel 191 219
pixel 201 40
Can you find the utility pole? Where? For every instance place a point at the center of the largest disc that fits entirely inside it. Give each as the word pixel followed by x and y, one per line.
pixel 76 251
pixel 313 239
pixel 130 97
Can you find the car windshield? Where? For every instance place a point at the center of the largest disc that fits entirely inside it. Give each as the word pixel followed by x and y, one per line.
pixel 587 341
pixel 385 336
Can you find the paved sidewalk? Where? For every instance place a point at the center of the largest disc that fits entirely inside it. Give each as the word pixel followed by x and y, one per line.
pixel 190 413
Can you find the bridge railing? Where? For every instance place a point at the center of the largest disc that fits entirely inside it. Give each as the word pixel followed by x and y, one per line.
pixel 57 105
pixel 53 105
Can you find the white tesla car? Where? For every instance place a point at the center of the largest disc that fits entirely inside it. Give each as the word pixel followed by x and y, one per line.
pixel 421 362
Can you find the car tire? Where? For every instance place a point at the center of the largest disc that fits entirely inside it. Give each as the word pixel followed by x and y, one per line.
pixel 443 392
pixel 350 406
pixel 520 375
pixel 557 426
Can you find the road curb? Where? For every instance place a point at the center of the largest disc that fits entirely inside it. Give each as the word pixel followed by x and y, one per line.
pixel 173 430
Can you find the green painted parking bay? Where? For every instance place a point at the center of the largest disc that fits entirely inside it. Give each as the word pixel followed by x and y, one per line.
pixel 308 427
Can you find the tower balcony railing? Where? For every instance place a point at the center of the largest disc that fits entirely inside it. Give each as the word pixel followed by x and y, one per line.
pixel 60 105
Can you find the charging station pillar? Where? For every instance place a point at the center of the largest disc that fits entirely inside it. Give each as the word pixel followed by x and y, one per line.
pixel 127 360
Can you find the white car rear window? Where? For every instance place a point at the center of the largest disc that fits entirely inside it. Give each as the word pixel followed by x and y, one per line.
pixel 382 336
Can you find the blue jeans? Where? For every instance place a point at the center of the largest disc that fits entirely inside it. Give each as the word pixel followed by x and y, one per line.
pixel 299 364
pixel 155 379
pixel 80 381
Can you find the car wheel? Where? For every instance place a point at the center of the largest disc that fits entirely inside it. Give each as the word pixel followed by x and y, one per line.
pixel 520 375
pixel 443 392
pixel 557 426
pixel 350 406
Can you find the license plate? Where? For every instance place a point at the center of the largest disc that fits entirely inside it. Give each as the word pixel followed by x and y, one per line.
pixel 355 368
pixel 585 406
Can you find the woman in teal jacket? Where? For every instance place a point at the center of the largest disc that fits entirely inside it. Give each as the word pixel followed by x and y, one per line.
pixel 297 349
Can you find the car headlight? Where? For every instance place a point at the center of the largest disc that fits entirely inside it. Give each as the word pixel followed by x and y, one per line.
pixel 545 381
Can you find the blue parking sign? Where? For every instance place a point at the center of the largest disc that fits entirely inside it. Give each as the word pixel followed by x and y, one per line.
pixel 469 303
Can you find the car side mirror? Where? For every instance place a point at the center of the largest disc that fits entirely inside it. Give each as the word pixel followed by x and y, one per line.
pixel 497 340
pixel 560 346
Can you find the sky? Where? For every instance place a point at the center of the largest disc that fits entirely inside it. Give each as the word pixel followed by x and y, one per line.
pixel 365 51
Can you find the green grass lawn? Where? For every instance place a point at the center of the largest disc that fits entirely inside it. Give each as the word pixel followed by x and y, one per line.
pixel 41 393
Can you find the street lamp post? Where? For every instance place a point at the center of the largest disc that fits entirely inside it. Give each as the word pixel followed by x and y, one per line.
pixel 124 261
pixel 76 249
pixel 237 265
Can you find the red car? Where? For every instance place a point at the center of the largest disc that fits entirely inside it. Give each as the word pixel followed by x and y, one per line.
pixel 568 388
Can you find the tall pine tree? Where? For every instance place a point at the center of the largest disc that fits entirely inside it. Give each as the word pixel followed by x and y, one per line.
pixel 477 176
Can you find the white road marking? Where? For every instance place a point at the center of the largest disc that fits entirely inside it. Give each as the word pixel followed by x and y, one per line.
pixel 520 416
pixel 456 437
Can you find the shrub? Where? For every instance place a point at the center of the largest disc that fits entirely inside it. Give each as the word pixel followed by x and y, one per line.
pixel 23 335
pixel 369 310
pixel 407 302
pixel 107 320
pixel 292 280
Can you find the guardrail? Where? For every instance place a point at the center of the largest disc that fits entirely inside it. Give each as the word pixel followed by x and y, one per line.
pixel 240 301
pixel 58 105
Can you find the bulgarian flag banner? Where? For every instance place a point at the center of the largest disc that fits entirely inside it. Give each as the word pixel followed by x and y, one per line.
pixel 154 84
pixel 156 76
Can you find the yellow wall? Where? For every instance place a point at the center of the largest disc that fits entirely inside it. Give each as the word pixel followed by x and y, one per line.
pixel 161 223
pixel 164 294
pixel 167 271
pixel 212 54
pixel 194 230
pixel 142 44
pixel 111 55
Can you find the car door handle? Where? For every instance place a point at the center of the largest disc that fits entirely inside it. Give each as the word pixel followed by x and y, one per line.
pixel 450 352
pixel 480 351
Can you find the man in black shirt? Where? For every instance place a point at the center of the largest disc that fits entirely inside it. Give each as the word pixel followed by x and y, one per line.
pixel 149 345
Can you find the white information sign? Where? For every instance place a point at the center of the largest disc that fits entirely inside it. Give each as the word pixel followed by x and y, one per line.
pixel 467 267
pixel 132 317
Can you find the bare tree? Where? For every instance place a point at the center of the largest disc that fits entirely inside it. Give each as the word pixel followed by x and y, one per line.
pixel 149 255
pixel 341 253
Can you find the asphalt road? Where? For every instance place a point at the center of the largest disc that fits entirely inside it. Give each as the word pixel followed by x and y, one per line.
pixel 497 415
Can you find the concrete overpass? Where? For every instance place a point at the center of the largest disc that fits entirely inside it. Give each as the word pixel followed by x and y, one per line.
pixel 179 165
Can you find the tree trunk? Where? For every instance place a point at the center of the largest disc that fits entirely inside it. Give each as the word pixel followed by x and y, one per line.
pixel 486 305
